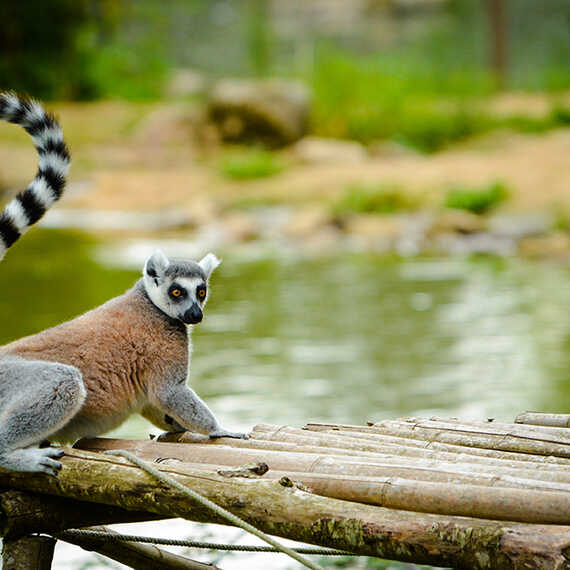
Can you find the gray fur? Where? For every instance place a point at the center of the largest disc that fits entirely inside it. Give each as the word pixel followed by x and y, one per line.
pixel 86 376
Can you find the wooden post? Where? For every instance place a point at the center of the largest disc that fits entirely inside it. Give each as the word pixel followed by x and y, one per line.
pixel 28 553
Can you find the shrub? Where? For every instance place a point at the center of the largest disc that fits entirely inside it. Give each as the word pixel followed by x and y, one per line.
pixel 249 164
pixel 379 199
pixel 477 200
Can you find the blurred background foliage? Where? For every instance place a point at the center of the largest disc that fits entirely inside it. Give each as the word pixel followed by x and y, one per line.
pixel 415 71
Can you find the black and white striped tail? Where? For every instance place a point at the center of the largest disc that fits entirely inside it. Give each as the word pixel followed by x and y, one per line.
pixel 47 187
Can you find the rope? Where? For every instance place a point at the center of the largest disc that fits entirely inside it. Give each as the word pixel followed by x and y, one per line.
pixel 236 521
pixel 78 533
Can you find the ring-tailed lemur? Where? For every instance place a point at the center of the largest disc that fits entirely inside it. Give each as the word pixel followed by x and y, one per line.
pixel 132 354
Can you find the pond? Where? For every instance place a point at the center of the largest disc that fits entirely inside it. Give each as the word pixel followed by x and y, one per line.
pixel 343 338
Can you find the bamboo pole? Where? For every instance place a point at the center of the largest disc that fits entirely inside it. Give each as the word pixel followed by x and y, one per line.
pixel 550 434
pixel 391 486
pixel 368 466
pixel 405 443
pixel 341 443
pixel 292 513
pixel 469 436
pixel 542 419
pixel 137 556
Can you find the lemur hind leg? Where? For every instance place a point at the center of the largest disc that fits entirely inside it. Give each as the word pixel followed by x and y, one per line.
pixel 36 399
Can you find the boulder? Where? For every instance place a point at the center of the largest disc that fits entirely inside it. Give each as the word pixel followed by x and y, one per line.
pixel 272 112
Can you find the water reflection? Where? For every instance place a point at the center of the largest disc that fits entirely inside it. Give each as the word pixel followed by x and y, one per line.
pixel 347 339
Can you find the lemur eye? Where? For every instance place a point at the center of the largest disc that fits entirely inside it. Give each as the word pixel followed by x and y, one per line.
pixel 201 292
pixel 176 292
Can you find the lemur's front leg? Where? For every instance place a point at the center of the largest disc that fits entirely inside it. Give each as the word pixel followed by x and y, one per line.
pixel 185 408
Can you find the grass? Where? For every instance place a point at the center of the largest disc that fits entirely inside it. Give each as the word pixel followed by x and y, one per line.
pixel 376 199
pixel 477 200
pixel 249 164
pixel 381 96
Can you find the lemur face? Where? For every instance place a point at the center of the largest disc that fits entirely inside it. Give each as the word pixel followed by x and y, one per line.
pixel 179 288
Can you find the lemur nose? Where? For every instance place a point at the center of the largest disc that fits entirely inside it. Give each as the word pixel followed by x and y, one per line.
pixel 193 315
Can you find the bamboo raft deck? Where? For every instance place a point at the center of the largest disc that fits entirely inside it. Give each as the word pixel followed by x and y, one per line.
pixel 477 495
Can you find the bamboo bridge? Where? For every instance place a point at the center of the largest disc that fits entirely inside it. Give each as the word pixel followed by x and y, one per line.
pixel 445 492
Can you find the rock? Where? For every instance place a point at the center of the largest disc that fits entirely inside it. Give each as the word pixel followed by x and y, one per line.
pixel 316 150
pixel 306 222
pixel 240 226
pixel 270 112
pixel 556 245
pixel 369 225
pixel 521 225
pixel 457 221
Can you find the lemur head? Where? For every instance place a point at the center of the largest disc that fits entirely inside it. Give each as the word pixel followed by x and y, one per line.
pixel 178 287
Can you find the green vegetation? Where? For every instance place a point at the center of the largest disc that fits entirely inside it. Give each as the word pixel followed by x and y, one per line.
pixel 477 200
pixel 376 199
pixel 249 164
pixel 369 98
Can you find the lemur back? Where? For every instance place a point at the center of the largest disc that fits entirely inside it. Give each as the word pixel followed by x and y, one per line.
pixel 130 355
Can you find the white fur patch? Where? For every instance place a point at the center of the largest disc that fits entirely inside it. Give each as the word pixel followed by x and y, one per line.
pixel 18 215
pixel 12 104
pixel 55 161
pixel 42 192
pixel 54 134
pixel 35 113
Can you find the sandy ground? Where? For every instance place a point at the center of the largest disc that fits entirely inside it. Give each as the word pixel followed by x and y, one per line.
pixel 140 157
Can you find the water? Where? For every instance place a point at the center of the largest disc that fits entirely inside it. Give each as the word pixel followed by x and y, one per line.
pixel 345 338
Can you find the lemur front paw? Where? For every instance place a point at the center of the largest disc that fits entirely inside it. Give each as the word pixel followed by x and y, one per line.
pixel 34 460
pixel 223 433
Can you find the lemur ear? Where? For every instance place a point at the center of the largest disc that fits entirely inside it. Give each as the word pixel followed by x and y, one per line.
pixel 156 264
pixel 208 263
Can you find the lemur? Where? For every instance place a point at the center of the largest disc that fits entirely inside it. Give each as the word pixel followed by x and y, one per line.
pixel 131 355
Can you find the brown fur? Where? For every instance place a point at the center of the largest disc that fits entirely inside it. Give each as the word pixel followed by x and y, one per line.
pixel 122 365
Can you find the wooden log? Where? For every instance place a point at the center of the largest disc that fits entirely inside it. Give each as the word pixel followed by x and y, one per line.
pixel 405 443
pixel 550 434
pixel 26 513
pixel 469 436
pixel 28 553
pixel 369 466
pixel 292 513
pixel 542 419
pixel 134 555
pixel 287 438
pixel 389 487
